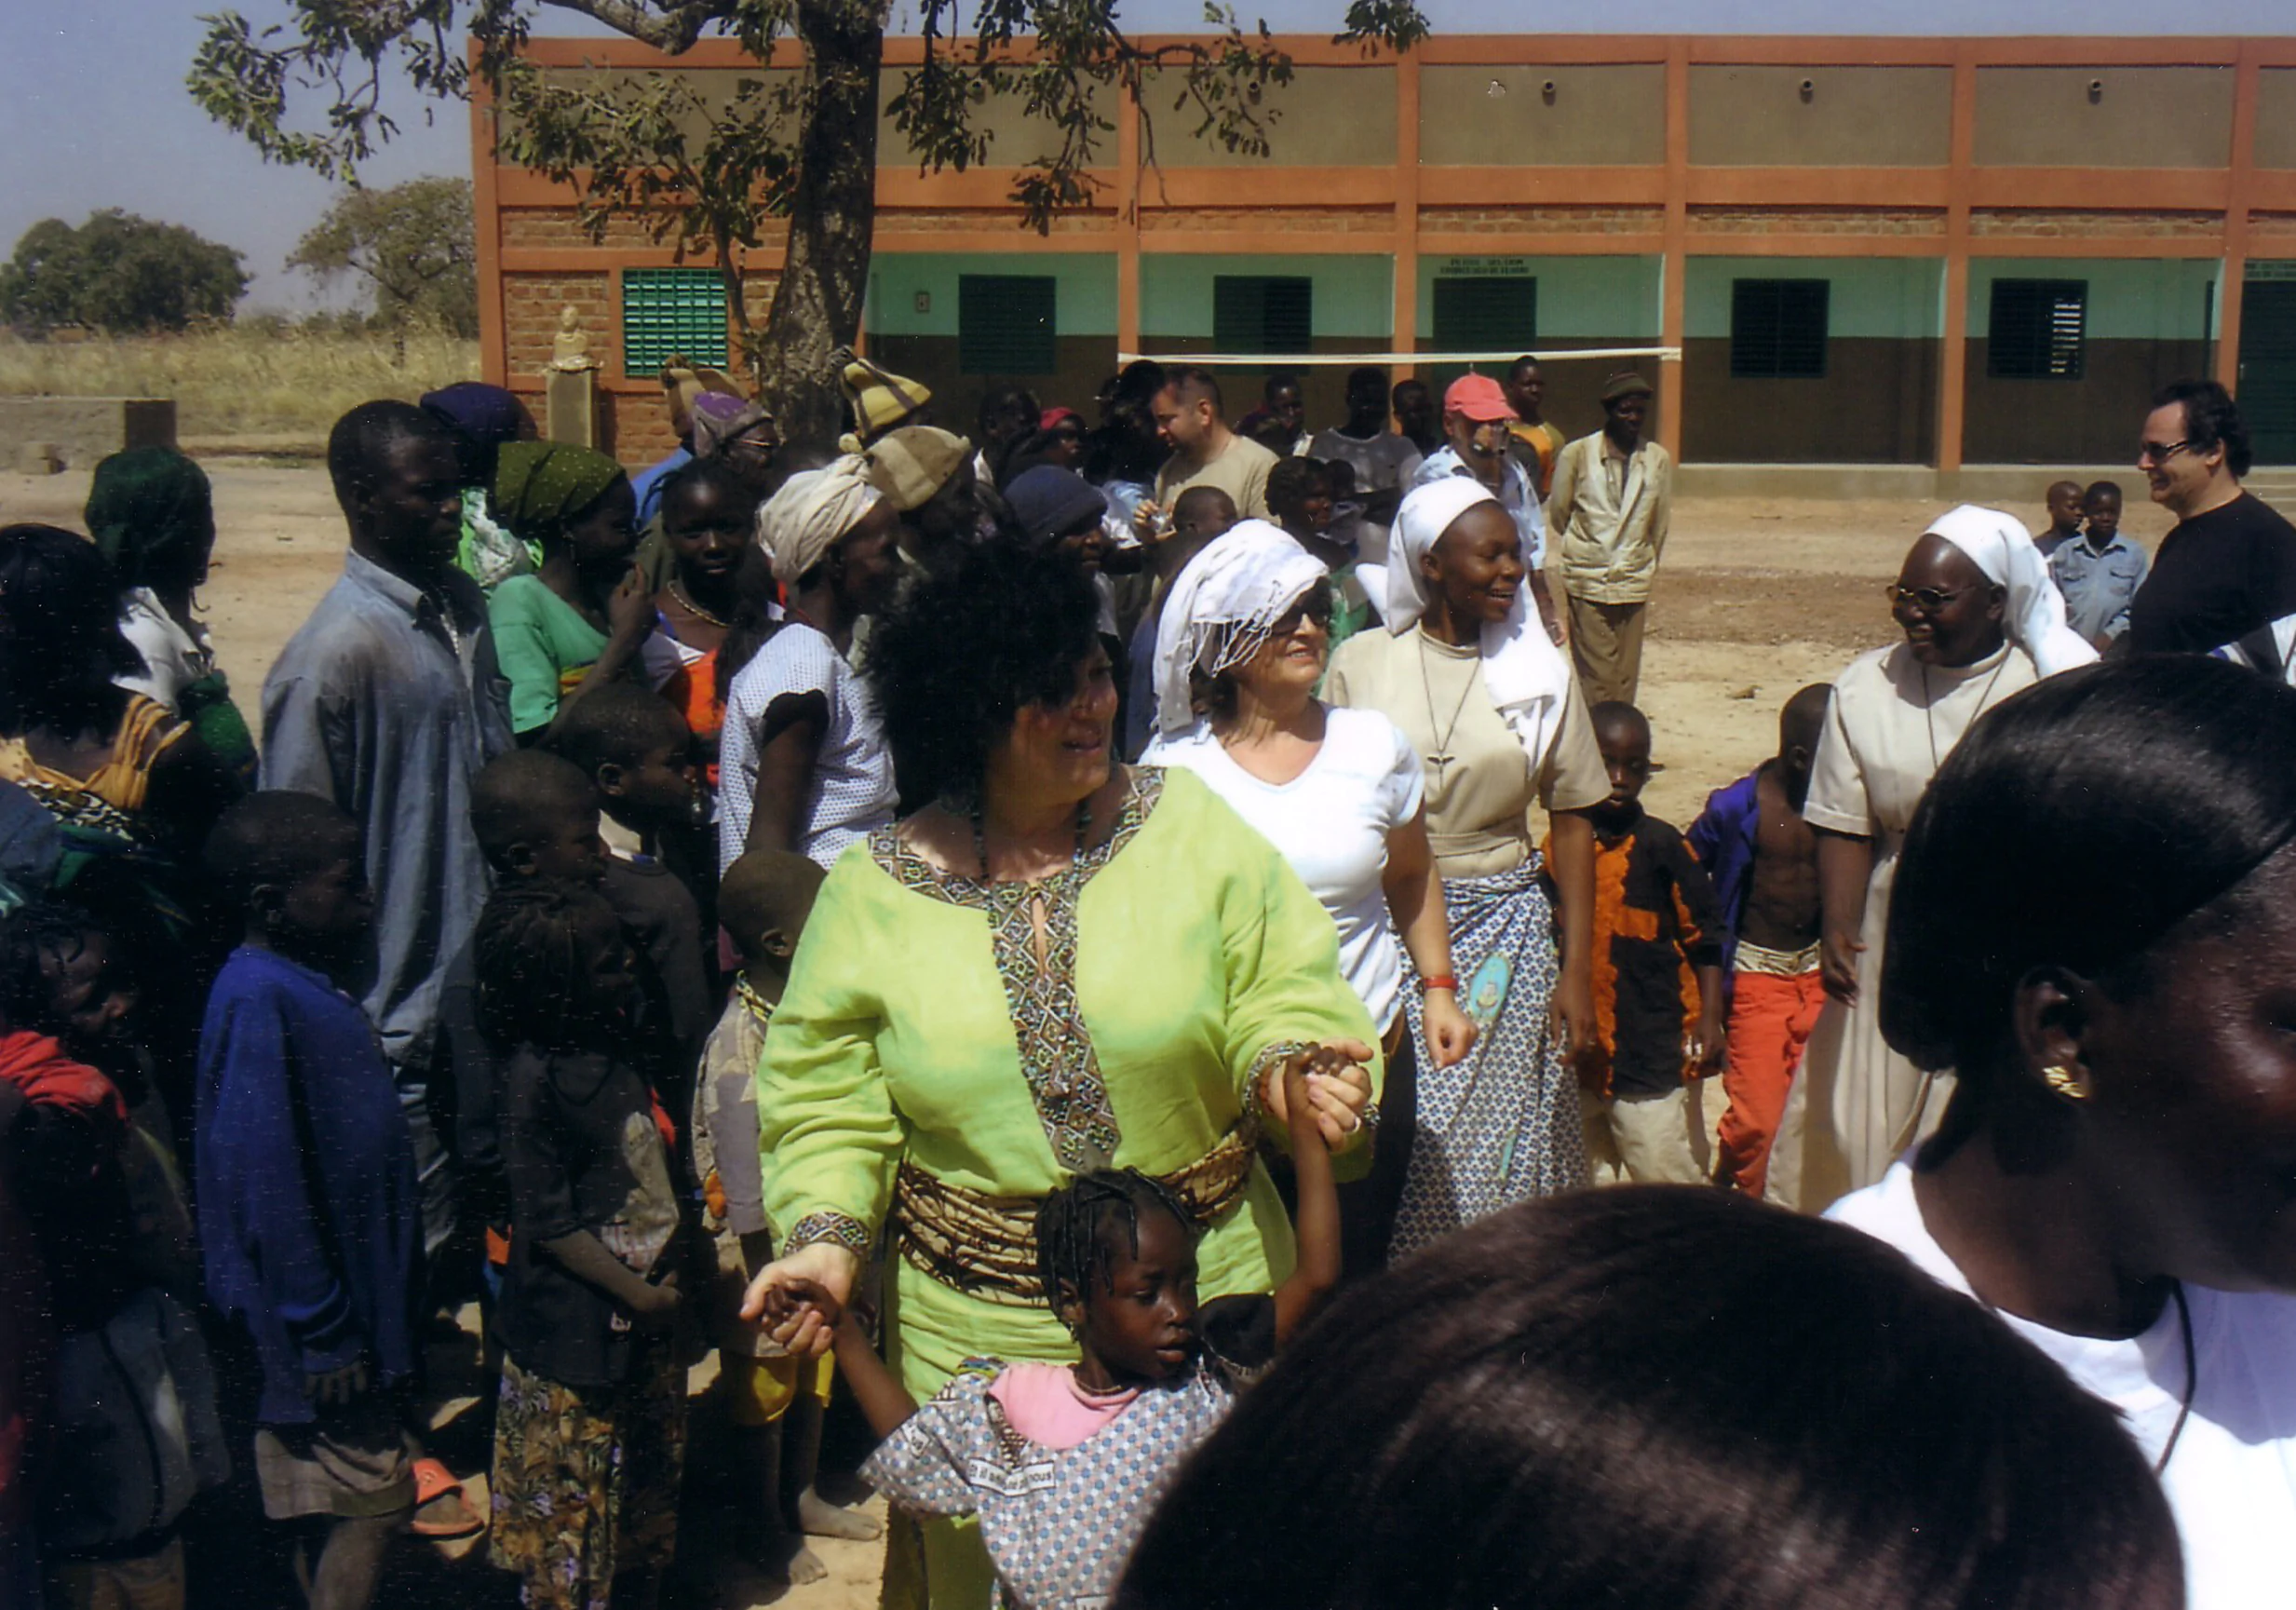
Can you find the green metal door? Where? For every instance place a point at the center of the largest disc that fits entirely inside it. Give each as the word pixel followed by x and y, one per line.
pixel 2268 368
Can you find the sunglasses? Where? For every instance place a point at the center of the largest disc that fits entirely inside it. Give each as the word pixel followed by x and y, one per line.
pixel 1928 600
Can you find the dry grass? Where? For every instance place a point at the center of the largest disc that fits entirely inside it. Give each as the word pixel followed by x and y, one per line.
pixel 258 388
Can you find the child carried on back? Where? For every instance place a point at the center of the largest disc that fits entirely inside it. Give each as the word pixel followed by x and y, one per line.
pixel 1064 1463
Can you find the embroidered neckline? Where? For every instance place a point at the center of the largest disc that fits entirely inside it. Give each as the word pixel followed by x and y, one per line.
pixel 1054 1045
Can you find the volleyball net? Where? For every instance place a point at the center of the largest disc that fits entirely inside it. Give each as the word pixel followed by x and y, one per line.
pixel 1287 361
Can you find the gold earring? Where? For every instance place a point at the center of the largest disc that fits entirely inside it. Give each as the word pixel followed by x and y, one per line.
pixel 2062 1081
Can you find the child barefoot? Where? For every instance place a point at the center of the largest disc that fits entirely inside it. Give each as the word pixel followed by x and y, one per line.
pixel 1063 1464
pixel 773 1398
pixel 589 1432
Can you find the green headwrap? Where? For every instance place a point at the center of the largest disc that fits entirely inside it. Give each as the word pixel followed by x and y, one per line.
pixel 152 513
pixel 540 485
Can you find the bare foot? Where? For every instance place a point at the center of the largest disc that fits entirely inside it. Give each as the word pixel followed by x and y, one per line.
pixel 822 1519
pixel 804 1566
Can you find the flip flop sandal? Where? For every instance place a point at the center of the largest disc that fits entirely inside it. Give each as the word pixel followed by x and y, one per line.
pixel 432 1480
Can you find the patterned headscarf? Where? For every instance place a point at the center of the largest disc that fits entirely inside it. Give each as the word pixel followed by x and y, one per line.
pixel 151 512
pixel 812 511
pixel 540 485
pixel 721 419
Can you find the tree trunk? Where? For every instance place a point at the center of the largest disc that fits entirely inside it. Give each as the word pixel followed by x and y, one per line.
pixel 833 212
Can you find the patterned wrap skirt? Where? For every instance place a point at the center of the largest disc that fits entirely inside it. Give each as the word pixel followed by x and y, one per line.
pixel 586 1479
pixel 1503 1125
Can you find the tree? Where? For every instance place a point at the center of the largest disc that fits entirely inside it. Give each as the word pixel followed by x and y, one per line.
pixel 412 245
pixel 704 172
pixel 117 272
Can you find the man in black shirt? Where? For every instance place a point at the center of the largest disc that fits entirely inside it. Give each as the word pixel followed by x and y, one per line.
pixel 2229 567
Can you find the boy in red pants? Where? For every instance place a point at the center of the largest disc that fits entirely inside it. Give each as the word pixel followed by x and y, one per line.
pixel 1762 858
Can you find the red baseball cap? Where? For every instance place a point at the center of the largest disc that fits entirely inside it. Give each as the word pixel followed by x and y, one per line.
pixel 1477 396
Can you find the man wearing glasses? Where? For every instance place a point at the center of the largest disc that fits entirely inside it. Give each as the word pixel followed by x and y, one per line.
pixel 2229 567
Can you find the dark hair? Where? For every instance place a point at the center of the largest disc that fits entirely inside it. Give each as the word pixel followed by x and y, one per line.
pixel 61 643
pixel 1193 381
pixel 961 653
pixel 694 474
pixel 2102 489
pixel 1367 374
pixel 1276 382
pixel 1292 481
pixel 615 725
pixel 514 790
pixel 361 437
pixel 277 836
pixel 2210 417
pixel 1617 712
pixel 528 959
pixel 1572 1403
pixel 2172 771
pixel 1401 386
pixel 1525 362
pixel 1079 1225
pixel 1139 380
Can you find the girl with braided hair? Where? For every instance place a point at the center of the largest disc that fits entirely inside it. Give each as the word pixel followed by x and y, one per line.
pixel 1064 1463
pixel 589 1435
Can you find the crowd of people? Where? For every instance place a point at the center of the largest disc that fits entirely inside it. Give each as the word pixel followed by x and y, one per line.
pixel 1126 944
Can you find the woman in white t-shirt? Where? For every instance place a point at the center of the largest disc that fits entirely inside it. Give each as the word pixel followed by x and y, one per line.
pixel 2094 925
pixel 1239 650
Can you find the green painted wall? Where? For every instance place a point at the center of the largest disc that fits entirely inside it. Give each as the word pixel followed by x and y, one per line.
pixel 1579 298
pixel 1878 298
pixel 1354 297
pixel 2133 300
pixel 1085 305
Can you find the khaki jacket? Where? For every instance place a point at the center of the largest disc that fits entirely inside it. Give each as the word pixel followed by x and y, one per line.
pixel 1606 550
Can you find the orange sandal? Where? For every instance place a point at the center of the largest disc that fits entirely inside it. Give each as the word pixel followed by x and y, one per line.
pixel 432 1480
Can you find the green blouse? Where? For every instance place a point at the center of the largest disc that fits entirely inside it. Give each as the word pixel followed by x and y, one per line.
pixel 544 646
pixel 918 1027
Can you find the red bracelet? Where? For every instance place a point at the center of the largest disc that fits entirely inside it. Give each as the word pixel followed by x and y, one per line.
pixel 1440 981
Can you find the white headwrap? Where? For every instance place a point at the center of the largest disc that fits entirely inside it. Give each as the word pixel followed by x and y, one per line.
pixel 802 521
pixel 2034 617
pixel 1221 607
pixel 1523 672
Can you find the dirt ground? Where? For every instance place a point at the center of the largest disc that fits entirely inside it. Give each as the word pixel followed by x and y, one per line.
pixel 1755 599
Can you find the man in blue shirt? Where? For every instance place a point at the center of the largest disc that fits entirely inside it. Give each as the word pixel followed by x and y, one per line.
pixel 2099 571
pixel 386 702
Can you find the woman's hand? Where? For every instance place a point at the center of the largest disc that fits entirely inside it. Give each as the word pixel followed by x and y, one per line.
pixel 629 610
pixel 799 1297
pixel 1339 1089
pixel 1450 1033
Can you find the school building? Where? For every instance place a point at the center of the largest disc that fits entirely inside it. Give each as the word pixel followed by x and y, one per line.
pixel 1919 253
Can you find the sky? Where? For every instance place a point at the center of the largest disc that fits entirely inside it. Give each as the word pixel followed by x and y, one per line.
pixel 93 111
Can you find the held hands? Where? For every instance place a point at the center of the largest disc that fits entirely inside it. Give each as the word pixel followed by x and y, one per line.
pixel 662 1305
pixel 334 1388
pixel 1837 966
pixel 1336 1083
pixel 799 1297
pixel 1450 1033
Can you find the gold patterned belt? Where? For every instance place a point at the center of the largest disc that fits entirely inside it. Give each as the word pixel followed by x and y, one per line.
pixel 985 1246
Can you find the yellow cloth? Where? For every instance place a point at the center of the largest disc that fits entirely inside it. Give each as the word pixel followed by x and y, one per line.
pixel 759 1392
pixel 1196 948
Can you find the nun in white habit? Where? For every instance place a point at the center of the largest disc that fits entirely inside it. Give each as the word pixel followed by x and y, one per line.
pixel 1981 620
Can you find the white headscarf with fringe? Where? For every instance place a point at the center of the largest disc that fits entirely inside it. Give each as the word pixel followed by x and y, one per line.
pixel 1524 673
pixel 800 523
pixel 1221 608
pixel 2033 615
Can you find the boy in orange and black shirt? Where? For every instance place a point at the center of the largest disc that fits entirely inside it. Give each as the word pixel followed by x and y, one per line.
pixel 1657 980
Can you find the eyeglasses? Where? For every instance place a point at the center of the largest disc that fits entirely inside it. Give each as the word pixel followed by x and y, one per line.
pixel 1315 604
pixel 2160 451
pixel 1928 600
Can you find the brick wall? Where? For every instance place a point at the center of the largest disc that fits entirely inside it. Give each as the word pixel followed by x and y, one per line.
pixel 1542 220
pixel 1296 220
pixel 2279 225
pixel 1863 220
pixel 561 226
pixel 2040 223
pixel 530 305
pixel 950 221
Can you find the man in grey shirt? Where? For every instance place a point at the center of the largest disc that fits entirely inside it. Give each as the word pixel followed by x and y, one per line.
pixel 387 702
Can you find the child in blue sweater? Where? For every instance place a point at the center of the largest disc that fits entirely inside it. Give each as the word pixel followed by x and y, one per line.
pixel 309 1215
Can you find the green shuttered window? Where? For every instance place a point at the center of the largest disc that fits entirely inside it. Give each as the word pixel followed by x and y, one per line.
pixel 1264 313
pixel 1486 313
pixel 672 311
pixel 2038 329
pixel 1008 324
pixel 1778 329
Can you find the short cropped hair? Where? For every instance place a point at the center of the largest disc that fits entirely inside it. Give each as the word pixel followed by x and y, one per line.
pixel 515 792
pixel 2211 417
pixel 364 435
pixel 528 954
pixel 277 837
pixel 61 645
pixel 1292 481
pixel 615 725
pixel 2172 770
pixel 1193 381
pixel 961 651
pixel 2111 489
pixel 1573 1404
pixel 715 471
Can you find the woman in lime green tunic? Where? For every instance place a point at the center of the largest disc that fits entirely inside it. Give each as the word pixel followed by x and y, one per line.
pixel 1059 964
